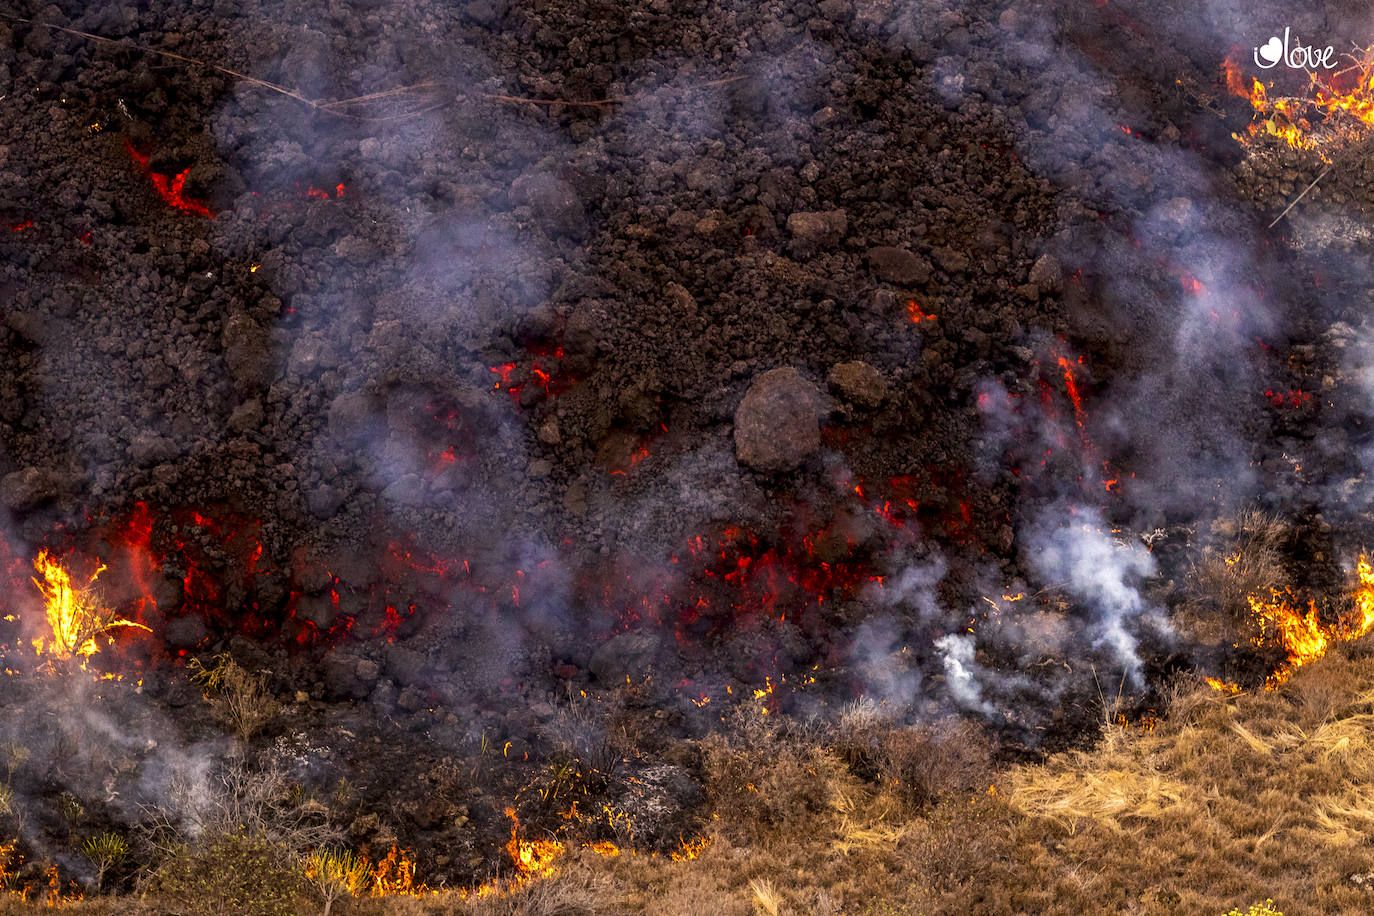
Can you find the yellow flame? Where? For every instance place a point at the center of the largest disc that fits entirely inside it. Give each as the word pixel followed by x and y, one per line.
pixel 395 876
pixel 74 614
pixel 690 849
pixel 1223 686
pixel 605 848
pixel 533 858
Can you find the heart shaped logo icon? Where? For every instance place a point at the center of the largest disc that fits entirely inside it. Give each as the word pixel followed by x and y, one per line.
pixel 1272 50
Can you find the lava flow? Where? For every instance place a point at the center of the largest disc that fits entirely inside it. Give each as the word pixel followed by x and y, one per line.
pixel 170 188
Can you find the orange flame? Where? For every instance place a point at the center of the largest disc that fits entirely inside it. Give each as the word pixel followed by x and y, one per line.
pixel 1302 633
pixel 533 858
pixel 1328 118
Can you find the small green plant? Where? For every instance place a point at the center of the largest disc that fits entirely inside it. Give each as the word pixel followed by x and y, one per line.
pixel 239 698
pixel 70 807
pixel 12 757
pixel 337 873
pixel 1257 909
pixel 105 851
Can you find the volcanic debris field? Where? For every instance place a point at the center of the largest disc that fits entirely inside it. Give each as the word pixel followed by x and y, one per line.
pixel 442 443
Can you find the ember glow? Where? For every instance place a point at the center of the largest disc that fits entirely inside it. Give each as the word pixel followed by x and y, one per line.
pixel 170 188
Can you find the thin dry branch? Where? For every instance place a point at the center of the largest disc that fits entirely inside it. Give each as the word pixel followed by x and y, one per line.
pixel 327 106
pixel 424 91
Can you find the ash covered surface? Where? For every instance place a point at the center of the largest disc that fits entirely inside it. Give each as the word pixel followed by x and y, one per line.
pixel 795 341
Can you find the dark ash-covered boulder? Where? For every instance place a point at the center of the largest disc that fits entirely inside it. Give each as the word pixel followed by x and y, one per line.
pixel 777 425
pixel 247 352
pixel 812 231
pixel 626 655
pixel 859 383
pixel 23 490
pixel 555 203
pixel 897 265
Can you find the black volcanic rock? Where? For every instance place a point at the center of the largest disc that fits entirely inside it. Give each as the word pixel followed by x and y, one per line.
pixel 555 203
pixel 626 655
pixel 246 352
pixel 28 488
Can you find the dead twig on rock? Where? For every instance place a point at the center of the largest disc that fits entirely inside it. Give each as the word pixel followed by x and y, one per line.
pixel 421 96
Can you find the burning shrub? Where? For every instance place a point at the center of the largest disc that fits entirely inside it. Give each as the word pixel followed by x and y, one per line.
pixel 239 699
pixel 76 617
pixel 337 873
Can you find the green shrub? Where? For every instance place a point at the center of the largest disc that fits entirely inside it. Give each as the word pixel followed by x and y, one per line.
pixel 233 873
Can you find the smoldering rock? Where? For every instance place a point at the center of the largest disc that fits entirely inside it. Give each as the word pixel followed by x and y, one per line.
pixel 186 632
pixel 777 425
pixel 318 610
pixel 859 383
pixel 555 203
pixel 626 655
pixel 897 265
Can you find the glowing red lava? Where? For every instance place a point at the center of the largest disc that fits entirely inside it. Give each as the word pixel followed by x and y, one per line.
pixel 171 189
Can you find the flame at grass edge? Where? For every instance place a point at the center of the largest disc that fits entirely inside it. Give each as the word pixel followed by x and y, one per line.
pixel 1302 633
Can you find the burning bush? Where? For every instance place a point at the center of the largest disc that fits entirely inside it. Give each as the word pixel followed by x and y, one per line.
pixel 1246 560
pixel 75 615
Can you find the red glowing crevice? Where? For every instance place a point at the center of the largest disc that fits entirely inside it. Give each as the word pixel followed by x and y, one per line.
pixel 170 188
pixel 1291 399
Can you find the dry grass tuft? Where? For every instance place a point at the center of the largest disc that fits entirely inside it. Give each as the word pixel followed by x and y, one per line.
pixel 1245 560
pixel 238 698
pixel 1108 796
pixel 766 899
